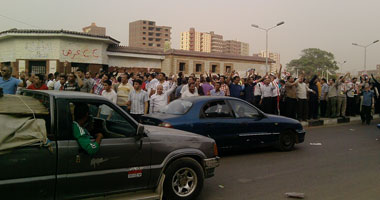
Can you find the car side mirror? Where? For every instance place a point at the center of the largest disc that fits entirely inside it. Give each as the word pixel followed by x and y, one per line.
pixel 140 131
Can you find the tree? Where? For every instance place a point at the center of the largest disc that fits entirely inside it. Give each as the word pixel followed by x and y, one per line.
pixel 313 61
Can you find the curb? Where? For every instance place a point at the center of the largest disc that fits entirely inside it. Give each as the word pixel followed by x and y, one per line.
pixel 329 121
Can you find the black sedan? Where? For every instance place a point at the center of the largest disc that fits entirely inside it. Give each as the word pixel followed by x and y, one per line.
pixel 232 122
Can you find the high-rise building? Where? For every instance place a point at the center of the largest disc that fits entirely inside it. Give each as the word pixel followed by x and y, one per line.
pixel 145 33
pixel 273 56
pixel 94 30
pixel 236 47
pixel 217 42
pixel 196 41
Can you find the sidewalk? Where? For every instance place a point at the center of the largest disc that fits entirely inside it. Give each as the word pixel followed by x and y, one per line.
pixel 330 121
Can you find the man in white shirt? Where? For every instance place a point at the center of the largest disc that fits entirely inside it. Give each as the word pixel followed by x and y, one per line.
pixel 105 112
pixel 123 90
pixel 161 98
pixel 190 92
pixel 351 91
pixel 266 101
pixel 186 87
pixel 302 90
pixel 161 81
pixel 152 83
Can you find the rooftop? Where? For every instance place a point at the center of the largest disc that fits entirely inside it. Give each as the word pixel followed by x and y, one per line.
pixel 58 32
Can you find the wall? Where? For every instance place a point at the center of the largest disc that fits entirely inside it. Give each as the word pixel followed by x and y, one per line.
pixel 131 62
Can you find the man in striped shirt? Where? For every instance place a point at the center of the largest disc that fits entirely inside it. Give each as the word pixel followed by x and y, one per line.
pixel 138 101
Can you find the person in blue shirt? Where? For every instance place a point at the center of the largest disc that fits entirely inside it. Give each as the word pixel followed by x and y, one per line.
pixel 368 104
pixel 7 82
pixel 235 88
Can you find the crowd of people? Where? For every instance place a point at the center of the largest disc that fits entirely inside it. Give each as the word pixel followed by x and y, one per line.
pixel 140 93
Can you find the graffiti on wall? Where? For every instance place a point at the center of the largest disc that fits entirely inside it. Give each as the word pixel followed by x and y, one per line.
pixel 38 48
pixel 80 53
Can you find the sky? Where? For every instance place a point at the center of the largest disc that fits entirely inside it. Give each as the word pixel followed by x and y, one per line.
pixel 330 25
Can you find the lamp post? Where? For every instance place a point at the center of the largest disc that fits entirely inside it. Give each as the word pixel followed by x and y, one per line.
pixel 341 64
pixel 266 31
pixel 365 52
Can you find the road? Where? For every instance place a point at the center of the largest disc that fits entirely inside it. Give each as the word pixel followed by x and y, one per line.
pixel 345 166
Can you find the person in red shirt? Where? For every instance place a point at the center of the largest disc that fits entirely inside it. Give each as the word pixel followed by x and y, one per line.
pixel 38 83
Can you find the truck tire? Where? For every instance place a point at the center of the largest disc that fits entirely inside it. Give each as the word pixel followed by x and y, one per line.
pixel 183 179
pixel 286 141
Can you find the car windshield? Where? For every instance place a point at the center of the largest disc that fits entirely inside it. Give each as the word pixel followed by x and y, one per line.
pixel 177 107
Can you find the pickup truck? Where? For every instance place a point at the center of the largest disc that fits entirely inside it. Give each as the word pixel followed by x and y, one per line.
pixel 134 161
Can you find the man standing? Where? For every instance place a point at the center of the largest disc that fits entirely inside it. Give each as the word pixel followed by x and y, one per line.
pixel 332 99
pixel 59 85
pixel 248 90
pixel 7 82
pixel 51 81
pixel 191 91
pixel 266 96
pixel 217 91
pixel 138 101
pixel 87 81
pixel 186 87
pixel 235 88
pixel 160 99
pixel 342 99
pixel 325 90
pixel 108 93
pixel 38 83
pixel 368 104
pixel 123 89
pixel 223 86
pixel 98 86
pixel 301 92
pixel 207 87
pixel 71 84
pixel 291 97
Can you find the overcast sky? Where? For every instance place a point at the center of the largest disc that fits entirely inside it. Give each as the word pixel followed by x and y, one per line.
pixel 331 25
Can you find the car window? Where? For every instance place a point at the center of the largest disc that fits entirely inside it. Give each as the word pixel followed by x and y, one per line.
pixel 106 120
pixel 177 107
pixel 243 110
pixel 216 109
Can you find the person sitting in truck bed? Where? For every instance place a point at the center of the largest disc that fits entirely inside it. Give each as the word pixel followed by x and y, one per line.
pixel 81 112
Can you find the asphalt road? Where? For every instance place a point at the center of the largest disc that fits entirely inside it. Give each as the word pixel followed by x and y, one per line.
pixel 345 166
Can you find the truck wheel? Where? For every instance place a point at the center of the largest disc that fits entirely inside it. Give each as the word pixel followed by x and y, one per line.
pixel 183 179
pixel 287 141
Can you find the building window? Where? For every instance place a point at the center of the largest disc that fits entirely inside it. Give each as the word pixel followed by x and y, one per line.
pixel 166 35
pixel 144 27
pixel 143 43
pixel 213 68
pixel 151 28
pixel 158 34
pixel 144 38
pixel 150 39
pixel 144 33
pixel 150 44
pixel 150 33
pixel 158 39
pixel 182 66
pixel 166 40
pixel 144 22
pixel 228 69
pixel 158 45
pixel 151 23
pixel 198 67
pixel 166 30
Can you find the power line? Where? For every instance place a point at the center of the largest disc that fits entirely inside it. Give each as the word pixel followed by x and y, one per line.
pixel 19 21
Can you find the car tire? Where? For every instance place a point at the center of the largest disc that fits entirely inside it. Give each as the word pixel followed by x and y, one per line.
pixel 286 141
pixel 183 180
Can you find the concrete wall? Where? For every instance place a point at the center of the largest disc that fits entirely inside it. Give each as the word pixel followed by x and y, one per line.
pixel 130 62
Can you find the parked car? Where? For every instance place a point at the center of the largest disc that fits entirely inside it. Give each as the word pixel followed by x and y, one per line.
pixel 232 122
pixel 40 158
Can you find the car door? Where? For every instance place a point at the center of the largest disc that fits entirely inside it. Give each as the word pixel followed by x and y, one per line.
pixel 121 164
pixel 28 171
pixel 216 120
pixel 254 129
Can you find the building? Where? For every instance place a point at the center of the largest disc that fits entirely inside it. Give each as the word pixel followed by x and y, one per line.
pixel 94 30
pixel 217 42
pixel 195 41
pixel 273 56
pixel 236 47
pixel 375 72
pixel 145 33
pixel 49 51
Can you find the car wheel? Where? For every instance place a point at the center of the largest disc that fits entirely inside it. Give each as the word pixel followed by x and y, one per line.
pixel 183 179
pixel 286 141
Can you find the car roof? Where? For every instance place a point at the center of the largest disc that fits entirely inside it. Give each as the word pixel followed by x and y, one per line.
pixel 198 99
pixel 67 94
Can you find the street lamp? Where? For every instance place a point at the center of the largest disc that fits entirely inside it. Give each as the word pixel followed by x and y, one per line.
pixel 266 48
pixel 341 65
pixel 365 52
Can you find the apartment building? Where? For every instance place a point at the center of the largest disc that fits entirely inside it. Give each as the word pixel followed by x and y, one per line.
pixel 94 30
pixel 145 33
pixel 195 41
pixel 217 42
pixel 236 47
